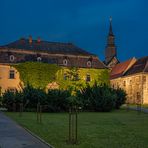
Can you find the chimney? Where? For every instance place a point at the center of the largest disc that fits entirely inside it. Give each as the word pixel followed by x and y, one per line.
pixel 30 39
pixel 38 40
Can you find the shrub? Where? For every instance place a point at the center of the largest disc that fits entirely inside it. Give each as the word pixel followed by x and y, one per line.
pixel 33 96
pixel 8 100
pixel 91 98
pixel 101 98
pixel 56 100
pixel 121 97
pixel 0 100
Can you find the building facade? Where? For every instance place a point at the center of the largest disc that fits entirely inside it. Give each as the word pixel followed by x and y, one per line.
pixel 64 55
pixel 132 76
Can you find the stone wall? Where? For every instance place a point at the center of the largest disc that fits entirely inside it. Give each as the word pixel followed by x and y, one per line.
pixel 136 87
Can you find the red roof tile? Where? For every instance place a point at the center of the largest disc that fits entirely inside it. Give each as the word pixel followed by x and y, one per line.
pixel 119 69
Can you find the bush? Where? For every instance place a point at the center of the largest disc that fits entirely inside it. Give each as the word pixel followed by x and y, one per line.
pixel 96 98
pixel 8 100
pixel 56 100
pixel 101 98
pixel 32 96
pixel 121 97
pixel 0 101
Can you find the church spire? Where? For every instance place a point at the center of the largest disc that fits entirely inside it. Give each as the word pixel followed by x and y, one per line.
pixel 110 28
pixel 110 51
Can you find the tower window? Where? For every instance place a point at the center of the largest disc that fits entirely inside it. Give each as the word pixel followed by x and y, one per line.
pixel 88 78
pixel 11 58
pixel 11 74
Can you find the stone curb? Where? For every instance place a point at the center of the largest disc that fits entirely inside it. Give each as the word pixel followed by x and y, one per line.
pixel 34 135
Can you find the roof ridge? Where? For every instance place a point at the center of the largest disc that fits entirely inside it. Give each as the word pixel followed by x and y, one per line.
pixel 146 65
pixel 130 64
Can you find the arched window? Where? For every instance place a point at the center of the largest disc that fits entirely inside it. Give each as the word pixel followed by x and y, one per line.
pixel 89 64
pixel 39 59
pixel 11 58
pixel 65 62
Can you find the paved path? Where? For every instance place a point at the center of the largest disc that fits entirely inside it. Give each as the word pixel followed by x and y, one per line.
pixel 14 136
pixel 145 110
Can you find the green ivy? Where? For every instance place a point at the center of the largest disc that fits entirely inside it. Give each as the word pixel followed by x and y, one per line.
pixel 37 74
pixel 101 76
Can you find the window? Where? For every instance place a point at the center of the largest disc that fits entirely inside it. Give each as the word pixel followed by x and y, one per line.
pixel 39 59
pixel 138 98
pixel 11 74
pixel 65 76
pixel 12 89
pixel 65 62
pixel 11 58
pixel 144 79
pixel 89 63
pixel 124 83
pixel 77 77
pixel 88 78
pixel 130 82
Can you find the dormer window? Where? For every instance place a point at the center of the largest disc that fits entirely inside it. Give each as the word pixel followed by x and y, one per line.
pixel 11 58
pixel 89 64
pixel 65 62
pixel 39 59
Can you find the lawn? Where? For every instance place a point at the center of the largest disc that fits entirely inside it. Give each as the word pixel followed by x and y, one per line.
pixel 124 129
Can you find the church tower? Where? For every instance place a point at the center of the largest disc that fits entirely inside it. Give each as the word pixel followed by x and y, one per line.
pixel 110 51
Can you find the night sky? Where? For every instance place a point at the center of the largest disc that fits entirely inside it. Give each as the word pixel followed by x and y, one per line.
pixel 82 22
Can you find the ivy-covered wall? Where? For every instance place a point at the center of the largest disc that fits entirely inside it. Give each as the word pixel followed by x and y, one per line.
pixel 39 75
pixel 98 75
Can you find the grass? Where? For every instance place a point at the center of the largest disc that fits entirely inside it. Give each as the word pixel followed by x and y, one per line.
pixel 124 129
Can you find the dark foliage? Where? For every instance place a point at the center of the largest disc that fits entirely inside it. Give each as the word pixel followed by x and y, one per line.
pixel 96 98
pixel 57 100
pixel 121 97
pixel 100 98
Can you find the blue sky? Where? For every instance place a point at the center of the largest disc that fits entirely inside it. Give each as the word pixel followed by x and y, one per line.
pixel 82 22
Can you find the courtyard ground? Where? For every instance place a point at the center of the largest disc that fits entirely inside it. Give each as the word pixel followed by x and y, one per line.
pixel 14 136
pixel 120 128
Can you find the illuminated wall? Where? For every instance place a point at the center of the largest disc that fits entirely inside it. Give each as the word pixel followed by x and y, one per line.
pixel 136 87
pixel 48 76
pixel 7 81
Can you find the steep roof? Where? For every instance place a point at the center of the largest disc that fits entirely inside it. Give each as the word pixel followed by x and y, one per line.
pixel 45 46
pixel 107 63
pixel 121 68
pixel 141 65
